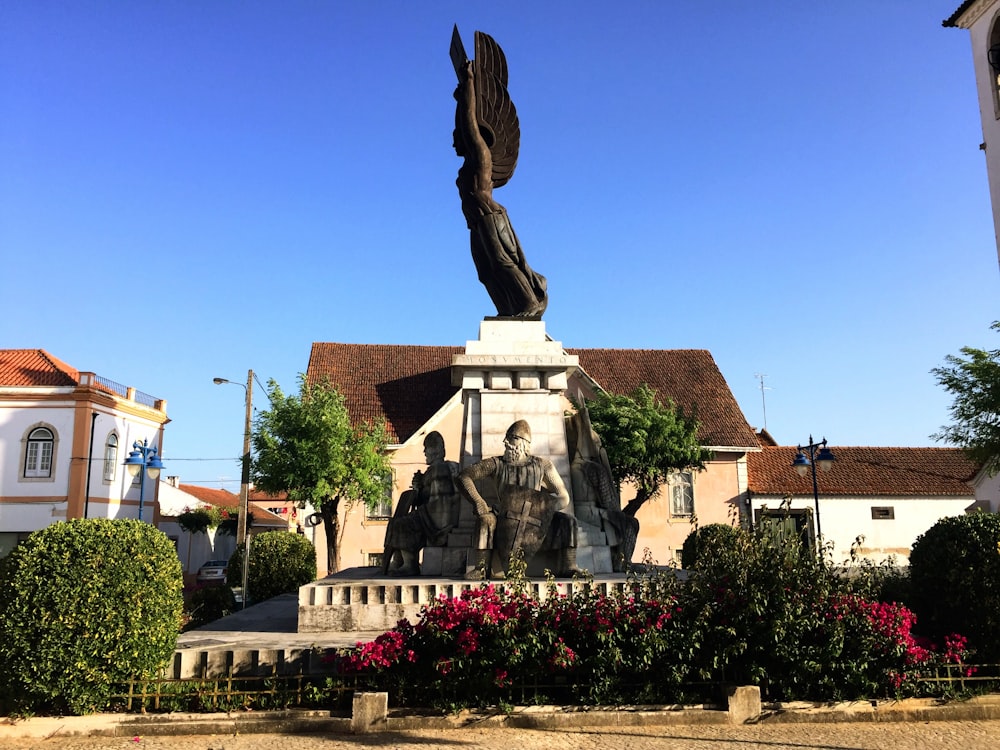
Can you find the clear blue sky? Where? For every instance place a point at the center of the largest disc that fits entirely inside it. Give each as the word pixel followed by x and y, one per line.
pixel 189 190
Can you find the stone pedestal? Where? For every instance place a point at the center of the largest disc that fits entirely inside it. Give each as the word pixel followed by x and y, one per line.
pixel 514 371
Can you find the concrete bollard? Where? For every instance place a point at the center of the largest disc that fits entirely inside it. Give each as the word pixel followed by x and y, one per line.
pixel 744 704
pixel 370 712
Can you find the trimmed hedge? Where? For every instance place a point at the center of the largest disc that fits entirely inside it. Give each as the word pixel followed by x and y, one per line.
pixel 86 604
pixel 955 581
pixel 280 562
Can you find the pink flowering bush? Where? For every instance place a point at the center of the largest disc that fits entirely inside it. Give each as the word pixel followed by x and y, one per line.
pixel 756 609
pixel 878 651
pixel 484 645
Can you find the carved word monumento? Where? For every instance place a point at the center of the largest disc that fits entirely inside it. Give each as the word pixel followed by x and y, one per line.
pixel 506 360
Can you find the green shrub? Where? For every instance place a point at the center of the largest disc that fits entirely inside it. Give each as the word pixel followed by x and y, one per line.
pixel 86 604
pixel 280 562
pixel 707 536
pixel 208 604
pixel 756 606
pixel 955 579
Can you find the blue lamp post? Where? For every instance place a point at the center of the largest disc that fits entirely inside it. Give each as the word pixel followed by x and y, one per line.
pixel 818 454
pixel 143 456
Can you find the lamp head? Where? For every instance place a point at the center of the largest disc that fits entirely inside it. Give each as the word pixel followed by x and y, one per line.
pixel 825 459
pixel 801 464
pixel 134 463
pixel 219 381
pixel 154 465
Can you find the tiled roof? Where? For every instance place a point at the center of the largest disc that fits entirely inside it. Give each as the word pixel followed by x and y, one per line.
pixel 859 472
pixel 952 20
pixel 219 498
pixel 35 368
pixel 264 497
pixel 407 384
pixel 688 376
pixel 404 384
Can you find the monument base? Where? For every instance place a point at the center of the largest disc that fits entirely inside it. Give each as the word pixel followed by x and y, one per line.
pixel 360 600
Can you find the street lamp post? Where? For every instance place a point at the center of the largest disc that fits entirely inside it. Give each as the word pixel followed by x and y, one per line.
pixel 818 454
pixel 244 513
pixel 143 460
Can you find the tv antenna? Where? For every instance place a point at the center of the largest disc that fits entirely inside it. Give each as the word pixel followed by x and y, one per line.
pixel 763 402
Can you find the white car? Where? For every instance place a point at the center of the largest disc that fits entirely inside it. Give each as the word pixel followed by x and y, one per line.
pixel 214 571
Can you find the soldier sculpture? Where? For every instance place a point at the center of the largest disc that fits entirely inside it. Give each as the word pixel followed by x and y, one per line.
pixel 532 510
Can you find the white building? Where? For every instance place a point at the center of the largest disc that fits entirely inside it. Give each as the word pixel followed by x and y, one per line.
pixel 64 437
pixel 887 497
pixel 982 19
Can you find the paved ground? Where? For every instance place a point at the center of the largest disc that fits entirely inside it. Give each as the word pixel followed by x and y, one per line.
pixel 983 735
pixel 270 624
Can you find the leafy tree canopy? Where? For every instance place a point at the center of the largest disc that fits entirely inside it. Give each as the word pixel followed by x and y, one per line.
pixel 307 447
pixel 973 379
pixel 646 440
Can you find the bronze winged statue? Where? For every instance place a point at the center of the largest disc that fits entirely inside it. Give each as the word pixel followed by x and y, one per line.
pixel 487 137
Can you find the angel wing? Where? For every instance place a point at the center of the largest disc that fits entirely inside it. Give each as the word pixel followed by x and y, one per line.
pixel 495 111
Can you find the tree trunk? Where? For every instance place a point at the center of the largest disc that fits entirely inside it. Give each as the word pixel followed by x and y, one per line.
pixel 331 525
pixel 641 496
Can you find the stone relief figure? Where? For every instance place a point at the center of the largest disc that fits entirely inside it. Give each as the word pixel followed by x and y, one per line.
pixel 487 136
pixel 532 510
pixel 425 514
pixel 596 496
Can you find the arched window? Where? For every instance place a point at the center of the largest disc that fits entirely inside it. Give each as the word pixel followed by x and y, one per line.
pixel 111 458
pixel 38 453
pixel 993 58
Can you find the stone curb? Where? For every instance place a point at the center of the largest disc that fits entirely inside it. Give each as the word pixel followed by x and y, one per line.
pixel 300 721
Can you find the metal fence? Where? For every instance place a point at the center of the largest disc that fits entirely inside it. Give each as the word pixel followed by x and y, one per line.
pixel 273 691
pixel 962 678
pixel 229 693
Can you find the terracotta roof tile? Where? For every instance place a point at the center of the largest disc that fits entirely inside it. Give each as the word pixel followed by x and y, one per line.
pixel 35 368
pixel 860 471
pixel 407 384
pixel 257 496
pixel 404 384
pixel 212 496
pixel 689 377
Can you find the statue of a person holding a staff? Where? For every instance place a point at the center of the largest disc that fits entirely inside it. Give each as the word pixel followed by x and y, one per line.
pixel 487 136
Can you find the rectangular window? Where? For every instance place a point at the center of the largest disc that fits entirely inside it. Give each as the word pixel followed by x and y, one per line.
pixel 381 512
pixel 887 513
pixel 39 459
pixel 374 559
pixel 681 495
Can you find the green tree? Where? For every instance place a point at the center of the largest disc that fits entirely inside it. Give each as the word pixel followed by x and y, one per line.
pixel 307 447
pixel 974 380
pixel 646 440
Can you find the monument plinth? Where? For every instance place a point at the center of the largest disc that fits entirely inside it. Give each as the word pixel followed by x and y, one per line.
pixel 514 371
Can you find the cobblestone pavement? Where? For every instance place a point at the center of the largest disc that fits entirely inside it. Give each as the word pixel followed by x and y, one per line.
pixel 978 735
